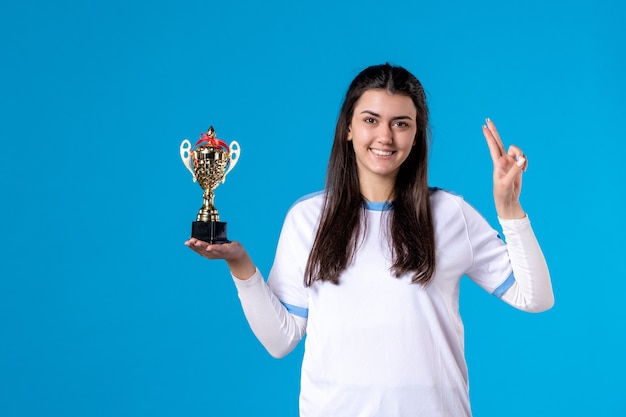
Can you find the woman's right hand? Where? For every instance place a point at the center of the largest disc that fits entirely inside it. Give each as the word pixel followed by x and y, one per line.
pixel 233 253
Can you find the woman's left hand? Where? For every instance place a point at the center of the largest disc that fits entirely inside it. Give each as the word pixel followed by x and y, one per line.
pixel 508 167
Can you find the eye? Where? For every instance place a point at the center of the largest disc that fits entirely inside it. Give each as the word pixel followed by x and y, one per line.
pixel 400 123
pixel 369 120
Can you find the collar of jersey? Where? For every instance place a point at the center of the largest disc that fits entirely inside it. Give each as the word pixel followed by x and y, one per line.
pixel 378 205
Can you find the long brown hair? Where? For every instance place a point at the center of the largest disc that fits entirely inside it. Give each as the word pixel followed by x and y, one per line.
pixel 342 218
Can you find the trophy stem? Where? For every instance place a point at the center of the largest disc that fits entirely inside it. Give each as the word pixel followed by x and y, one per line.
pixel 208 212
pixel 208 226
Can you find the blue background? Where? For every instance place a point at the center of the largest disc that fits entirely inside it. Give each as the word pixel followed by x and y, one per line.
pixel 104 311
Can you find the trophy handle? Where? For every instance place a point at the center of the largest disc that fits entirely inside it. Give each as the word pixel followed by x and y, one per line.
pixel 235 150
pixel 185 155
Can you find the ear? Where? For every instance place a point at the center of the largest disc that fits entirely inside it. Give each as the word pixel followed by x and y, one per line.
pixel 349 138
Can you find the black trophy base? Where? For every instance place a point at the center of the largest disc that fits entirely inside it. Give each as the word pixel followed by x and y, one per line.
pixel 210 232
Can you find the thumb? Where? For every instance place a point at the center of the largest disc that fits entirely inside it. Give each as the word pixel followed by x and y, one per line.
pixel 516 169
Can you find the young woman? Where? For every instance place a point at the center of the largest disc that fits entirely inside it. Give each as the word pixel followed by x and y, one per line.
pixel 370 268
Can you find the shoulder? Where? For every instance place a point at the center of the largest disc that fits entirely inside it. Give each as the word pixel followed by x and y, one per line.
pixel 445 200
pixel 306 209
pixel 449 206
pixel 312 201
pixel 309 199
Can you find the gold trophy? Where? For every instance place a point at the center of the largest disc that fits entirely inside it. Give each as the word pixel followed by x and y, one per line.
pixel 209 160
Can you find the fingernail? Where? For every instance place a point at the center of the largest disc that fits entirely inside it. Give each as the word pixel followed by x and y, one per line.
pixel 520 161
pixel 487 120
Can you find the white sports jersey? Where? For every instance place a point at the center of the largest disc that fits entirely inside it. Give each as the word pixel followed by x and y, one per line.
pixel 378 345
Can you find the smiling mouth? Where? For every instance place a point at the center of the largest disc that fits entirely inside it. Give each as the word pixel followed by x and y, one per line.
pixel 381 153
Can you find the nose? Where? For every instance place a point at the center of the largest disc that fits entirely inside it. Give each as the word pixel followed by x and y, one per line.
pixel 385 135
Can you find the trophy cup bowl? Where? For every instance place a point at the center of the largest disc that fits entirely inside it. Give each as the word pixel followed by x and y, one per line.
pixel 209 160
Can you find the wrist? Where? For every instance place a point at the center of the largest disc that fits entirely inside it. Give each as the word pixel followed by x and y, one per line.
pixel 242 268
pixel 510 211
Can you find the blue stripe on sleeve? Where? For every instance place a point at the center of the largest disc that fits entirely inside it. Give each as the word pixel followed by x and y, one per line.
pixel 296 311
pixel 499 292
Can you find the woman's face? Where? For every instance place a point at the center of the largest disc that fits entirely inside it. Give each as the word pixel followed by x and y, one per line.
pixel 382 130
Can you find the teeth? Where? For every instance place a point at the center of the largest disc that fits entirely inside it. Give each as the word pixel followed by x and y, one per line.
pixel 381 153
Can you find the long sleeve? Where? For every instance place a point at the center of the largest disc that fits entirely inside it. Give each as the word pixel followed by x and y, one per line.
pixel 277 330
pixel 532 289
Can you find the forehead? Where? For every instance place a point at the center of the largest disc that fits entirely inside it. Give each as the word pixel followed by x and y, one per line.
pixel 385 103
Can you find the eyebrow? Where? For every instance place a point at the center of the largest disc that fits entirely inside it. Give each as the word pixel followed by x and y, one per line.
pixel 393 118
